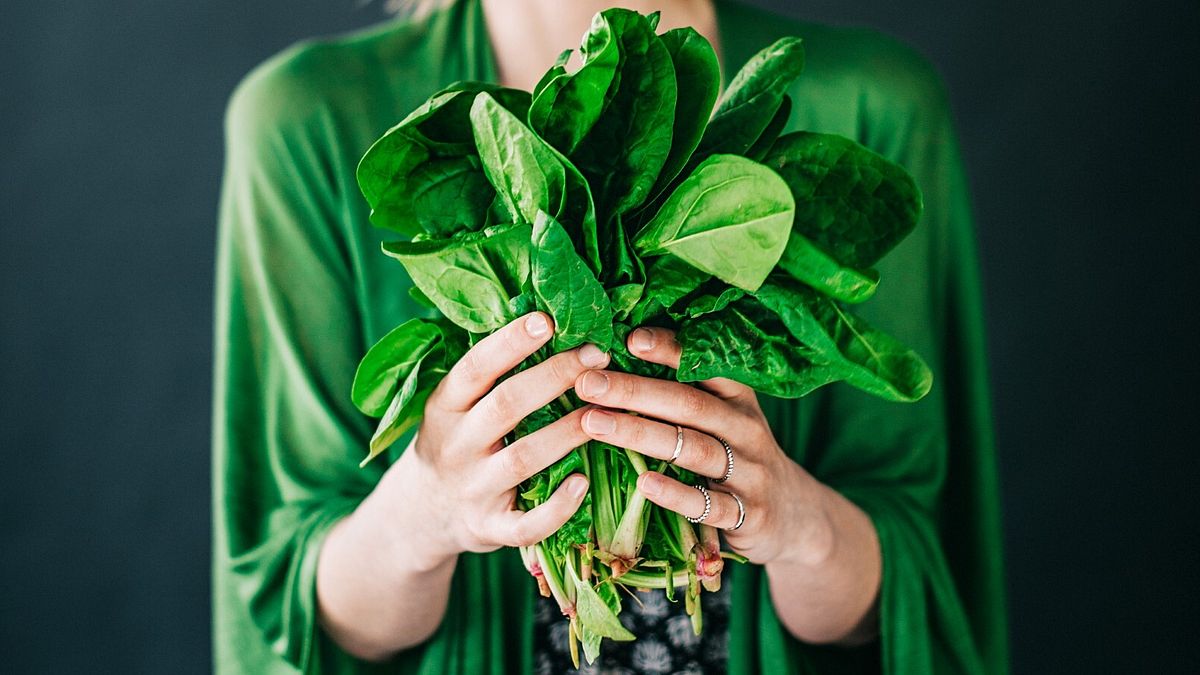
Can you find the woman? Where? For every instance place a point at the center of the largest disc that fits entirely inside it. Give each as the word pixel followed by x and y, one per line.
pixel 871 527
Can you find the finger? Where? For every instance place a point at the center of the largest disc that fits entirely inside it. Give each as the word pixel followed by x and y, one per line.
pixel 530 454
pixel 673 402
pixel 526 528
pixel 684 499
pixel 515 398
pixel 477 371
pixel 658 345
pixel 699 452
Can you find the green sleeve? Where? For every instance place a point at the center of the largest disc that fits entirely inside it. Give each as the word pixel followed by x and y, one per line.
pixel 286 438
pixel 925 472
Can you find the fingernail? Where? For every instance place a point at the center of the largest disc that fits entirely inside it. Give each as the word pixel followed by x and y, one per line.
pixel 537 325
pixel 592 356
pixel 594 383
pixel 649 484
pixel 578 487
pixel 597 422
pixel 642 340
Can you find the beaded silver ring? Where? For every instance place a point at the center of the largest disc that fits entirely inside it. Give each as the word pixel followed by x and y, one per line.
pixel 728 463
pixel 707 506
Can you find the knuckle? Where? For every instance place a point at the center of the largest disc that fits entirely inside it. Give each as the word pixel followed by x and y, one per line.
pixel 626 388
pixel 694 402
pixel 522 533
pixel 500 404
pixel 512 336
pixel 635 430
pixel 516 462
pixel 469 366
pixel 561 370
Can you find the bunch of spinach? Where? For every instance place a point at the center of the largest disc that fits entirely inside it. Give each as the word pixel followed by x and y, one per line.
pixel 614 196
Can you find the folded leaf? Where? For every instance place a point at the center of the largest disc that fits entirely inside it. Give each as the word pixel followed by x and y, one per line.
pixel 526 174
pixel 408 405
pixel 392 173
pixel 390 361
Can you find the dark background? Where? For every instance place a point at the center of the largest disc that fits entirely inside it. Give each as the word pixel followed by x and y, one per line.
pixel 1079 123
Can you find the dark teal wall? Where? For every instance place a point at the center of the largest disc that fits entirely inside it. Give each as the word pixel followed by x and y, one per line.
pixel 1079 124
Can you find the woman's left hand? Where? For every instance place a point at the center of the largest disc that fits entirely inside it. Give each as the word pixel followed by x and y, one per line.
pixel 785 518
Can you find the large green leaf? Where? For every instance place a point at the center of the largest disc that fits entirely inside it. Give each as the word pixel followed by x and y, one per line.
pixel 850 202
pixel 567 290
pixel 389 361
pixel 697 81
pixel 524 171
pixel 623 151
pixel 753 98
pixel 569 104
pixel 731 218
pixel 865 357
pixel 470 278
pixel 805 262
pixel 391 175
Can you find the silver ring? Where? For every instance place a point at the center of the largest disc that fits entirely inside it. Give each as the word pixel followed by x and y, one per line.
pixel 678 444
pixel 707 506
pixel 741 511
pixel 728 462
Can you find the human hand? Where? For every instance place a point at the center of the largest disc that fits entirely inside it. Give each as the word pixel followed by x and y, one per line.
pixel 782 502
pixel 456 486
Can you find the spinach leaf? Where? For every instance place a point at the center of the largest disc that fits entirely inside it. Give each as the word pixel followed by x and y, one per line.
pixel 624 361
pixel 866 358
pixel 747 343
pixel 771 133
pixel 711 300
pixel 697 81
pixel 850 202
pixel 623 151
pixel 567 290
pixel 526 174
pixel 805 262
pixel 753 98
pixel 470 278
pixel 731 218
pixel 408 405
pixel 668 279
pixel 390 361
pixel 449 195
pixel 567 107
pixel 390 174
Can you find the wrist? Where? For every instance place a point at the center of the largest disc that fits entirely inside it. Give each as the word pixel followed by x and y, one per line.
pixel 404 523
pixel 812 537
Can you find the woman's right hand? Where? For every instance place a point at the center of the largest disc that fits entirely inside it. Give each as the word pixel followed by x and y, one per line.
pixel 458 482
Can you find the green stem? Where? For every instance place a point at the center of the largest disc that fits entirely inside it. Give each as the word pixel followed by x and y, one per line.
pixel 638 579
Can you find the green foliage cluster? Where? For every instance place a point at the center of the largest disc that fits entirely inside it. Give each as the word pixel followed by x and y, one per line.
pixel 614 196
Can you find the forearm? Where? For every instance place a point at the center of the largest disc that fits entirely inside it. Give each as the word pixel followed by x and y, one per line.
pixel 377 593
pixel 827 591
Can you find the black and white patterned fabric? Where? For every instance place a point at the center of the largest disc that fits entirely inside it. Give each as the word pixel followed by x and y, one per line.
pixel 665 642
